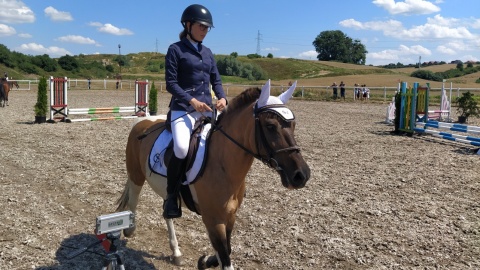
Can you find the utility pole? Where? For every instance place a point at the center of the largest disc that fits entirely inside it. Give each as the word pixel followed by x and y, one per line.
pixel 259 38
pixel 156 45
pixel 120 59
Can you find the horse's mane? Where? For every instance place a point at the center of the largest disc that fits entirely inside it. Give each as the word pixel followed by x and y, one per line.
pixel 245 98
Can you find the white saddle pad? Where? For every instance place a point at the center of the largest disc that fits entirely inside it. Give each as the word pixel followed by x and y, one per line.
pixel 157 155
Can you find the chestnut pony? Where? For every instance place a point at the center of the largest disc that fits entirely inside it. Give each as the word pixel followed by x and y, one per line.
pixel 6 85
pixel 254 125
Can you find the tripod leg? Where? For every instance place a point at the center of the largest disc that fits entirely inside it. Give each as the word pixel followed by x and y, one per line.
pixel 120 263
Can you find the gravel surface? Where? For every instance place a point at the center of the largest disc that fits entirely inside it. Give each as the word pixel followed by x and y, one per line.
pixel 374 201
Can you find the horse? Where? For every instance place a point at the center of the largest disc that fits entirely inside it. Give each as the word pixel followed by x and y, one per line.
pixel 4 90
pixel 253 125
pixel 7 85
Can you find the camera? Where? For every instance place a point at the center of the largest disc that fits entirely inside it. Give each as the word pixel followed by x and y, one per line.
pixel 114 222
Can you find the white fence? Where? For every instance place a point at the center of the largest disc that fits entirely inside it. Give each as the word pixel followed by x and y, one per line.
pixel 233 89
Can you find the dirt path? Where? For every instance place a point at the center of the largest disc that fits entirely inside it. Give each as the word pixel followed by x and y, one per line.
pixel 375 201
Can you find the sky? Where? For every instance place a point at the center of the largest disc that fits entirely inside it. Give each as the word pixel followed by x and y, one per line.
pixel 392 31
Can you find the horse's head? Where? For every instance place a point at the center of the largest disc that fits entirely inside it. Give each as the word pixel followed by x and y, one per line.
pixel 274 132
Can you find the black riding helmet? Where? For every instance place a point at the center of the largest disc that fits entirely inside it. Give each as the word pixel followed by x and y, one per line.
pixel 197 13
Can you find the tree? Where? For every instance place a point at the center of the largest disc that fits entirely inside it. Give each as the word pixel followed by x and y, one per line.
pixel 337 46
pixel 460 66
pixel 44 62
pixel 68 63
pixel 270 55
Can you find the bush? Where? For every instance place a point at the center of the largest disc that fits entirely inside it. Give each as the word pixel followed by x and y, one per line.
pixel 467 105
pixel 427 75
pixel 41 107
pixel 231 66
pixel 152 99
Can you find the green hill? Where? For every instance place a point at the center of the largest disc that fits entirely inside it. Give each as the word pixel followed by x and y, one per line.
pixel 147 65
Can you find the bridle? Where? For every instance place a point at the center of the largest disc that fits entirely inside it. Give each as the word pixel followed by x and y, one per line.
pixel 269 158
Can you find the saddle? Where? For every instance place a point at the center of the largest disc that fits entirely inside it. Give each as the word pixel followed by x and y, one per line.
pixel 162 152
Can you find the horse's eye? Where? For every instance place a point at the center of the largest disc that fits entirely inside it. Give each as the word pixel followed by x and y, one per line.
pixel 271 127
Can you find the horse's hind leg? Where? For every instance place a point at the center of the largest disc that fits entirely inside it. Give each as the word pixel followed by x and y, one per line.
pixel 129 201
pixel 177 254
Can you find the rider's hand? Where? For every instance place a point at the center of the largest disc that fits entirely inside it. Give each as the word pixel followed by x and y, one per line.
pixel 200 106
pixel 221 104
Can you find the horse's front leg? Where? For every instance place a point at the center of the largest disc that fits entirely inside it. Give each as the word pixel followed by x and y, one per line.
pixel 172 239
pixel 219 235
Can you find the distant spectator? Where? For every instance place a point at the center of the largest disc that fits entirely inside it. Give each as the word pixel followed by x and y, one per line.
pixel 335 90
pixel 342 90
pixel 5 75
pixel 116 85
pixel 356 91
pixel 89 83
pixel 366 92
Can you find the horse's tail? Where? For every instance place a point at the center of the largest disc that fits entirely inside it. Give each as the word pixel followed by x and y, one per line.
pixel 128 201
pixel 3 96
pixel 122 202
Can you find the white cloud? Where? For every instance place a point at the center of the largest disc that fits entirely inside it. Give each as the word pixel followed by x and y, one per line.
pixel 385 26
pixel 436 28
pixel 439 20
pixel 455 46
pixel 308 55
pixel 446 50
pixel 6 30
pixel 24 35
pixel 400 53
pixel 469 57
pixel 111 29
pixel 475 24
pixel 407 7
pixel 272 49
pixel 76 39
pixel 38 49
pixel 14 11
pixel 56 15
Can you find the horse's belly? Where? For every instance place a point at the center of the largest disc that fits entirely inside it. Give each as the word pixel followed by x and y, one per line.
pixel 156 181
pixel 159 184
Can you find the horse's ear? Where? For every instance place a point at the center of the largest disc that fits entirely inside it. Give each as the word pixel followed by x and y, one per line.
pixel 285 96
pixel 264 95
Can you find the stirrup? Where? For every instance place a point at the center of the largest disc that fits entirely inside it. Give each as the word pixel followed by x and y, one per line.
pixel 173 212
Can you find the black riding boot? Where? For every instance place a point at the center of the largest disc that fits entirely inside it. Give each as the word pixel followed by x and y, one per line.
pixel 175 169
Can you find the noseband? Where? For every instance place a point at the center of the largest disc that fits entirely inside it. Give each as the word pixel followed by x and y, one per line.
pixel 269 158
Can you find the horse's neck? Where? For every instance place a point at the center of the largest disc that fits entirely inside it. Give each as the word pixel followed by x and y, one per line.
pixel 241 128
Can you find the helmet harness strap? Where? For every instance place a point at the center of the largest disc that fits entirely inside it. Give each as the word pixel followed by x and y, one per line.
pixel 189 32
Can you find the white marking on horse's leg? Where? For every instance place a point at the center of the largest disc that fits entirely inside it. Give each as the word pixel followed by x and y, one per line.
pixel 221 266
pixel 172 237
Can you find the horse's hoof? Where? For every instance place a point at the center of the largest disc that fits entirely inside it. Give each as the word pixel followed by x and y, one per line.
pixel 202 262
pixel 178 261
pixel 129 232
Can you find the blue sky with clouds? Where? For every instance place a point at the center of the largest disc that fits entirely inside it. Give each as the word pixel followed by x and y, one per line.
pixel 392 31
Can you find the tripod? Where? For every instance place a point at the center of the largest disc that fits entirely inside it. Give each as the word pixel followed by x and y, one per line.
pixel 112 258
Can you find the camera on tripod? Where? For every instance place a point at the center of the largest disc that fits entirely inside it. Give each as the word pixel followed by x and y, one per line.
pixel 114 222
pixel 108 231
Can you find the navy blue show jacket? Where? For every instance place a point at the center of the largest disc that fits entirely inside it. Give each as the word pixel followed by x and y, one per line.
pixel 188 73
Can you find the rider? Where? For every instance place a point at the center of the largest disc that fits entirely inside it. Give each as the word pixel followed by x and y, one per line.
pixel 189 70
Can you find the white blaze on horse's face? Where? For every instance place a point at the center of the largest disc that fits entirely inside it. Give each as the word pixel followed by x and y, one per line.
pixel 265 98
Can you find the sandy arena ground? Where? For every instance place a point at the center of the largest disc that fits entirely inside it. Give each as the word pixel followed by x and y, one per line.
pixel 375 201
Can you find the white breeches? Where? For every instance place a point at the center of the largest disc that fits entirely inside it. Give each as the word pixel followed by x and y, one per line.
pixel 182 126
